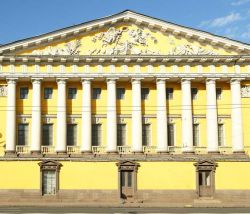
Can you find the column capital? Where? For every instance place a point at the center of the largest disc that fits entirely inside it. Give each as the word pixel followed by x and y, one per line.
pixel 161 80
pixel 111 79
pixel 236 80
pixel 86 79
pixel 135 80
pixel 11 80
pixel 211 79
pixel 36 80
pixel 186 79
pixel 61 80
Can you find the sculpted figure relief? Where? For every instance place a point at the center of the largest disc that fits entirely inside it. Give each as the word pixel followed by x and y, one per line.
pixel 190 50
pixel 70 48
pixel 114 44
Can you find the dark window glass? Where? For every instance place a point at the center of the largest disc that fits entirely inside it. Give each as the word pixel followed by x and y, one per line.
pixel 123 175
pixel 24 93
pixel 146 134
pixel 144 93
pixel 23 134
pixel 47 139
pixel 96 134
pixel 194 92
pixel 120 92
pixel 48 93
pixel 96 93
pixel 169 93
pixel 218 93
pixel 71 134
pixel 170 134
pixel 121 134
pixel 72 93
pixel 129 179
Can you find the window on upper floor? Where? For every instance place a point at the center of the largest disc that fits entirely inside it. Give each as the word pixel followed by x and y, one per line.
pixel 24 91
pixel 96 134
pixel 169 93
pixel 72 93
pixel 120 93
pixel 221 134
pixel 71 134
pixel 144 93
pixel 121 134
pixel 146 134
pixel 194 93
pixel 170 134
pixel 48 93
pixel 47 135
pixel 218 93
pixel 23 134
pixel 195 134
pixel 96 93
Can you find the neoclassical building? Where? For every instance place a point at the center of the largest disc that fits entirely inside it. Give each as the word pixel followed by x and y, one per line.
pixel 125 109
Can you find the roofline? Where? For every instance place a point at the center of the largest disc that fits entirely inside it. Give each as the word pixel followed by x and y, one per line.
pixel 115 15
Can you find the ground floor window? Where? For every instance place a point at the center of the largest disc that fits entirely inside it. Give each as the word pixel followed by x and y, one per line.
pixel 127 179
pixel 49 177
pixel 205 178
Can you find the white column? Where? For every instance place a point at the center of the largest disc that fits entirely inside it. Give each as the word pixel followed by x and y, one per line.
pixel 212 121
pixel 136 116
pixel 111 116
pixel 162 134
pixel 36 116
pixel 86 116
pixel 236 117
pixel 61 116
pixel 11 117
pixel 187 120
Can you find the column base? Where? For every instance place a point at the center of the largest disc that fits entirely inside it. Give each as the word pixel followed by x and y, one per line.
pixel 86 152
pixel 112 153
pixel 35 152
pixel 61 153
pixel 188 152
pixel 213 152
pixel 138 152
pixel 239 152
pixel 10 153
pixel 162 152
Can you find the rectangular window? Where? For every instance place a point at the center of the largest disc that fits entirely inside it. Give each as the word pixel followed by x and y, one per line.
pixel 48 93
pixel 47 137
pixel 96 93
pixel 195 134
pixel 146 135
pixel 169 93
pixel 218 93
pixel 120 93
pixel 49 182
pixel 24 91
pixel 170 134
pixel 96 134
pixel 23 134
pixel 121 134
pixel 221 134
pixel 72 93
pixel 194 93
pixel 144 93
pixel 71 134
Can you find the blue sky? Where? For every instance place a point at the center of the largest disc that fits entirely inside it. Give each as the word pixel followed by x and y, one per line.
pixel 25 18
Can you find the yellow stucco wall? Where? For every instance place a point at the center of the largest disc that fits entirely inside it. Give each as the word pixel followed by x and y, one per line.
pixel 104 175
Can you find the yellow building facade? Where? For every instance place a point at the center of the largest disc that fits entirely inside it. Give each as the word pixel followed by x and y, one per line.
pixel 127 108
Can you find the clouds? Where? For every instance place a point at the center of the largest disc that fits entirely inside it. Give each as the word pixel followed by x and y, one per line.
pixel 222 21
pixel 239 2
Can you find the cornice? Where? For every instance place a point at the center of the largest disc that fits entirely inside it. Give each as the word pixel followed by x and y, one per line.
pixel 98 76
pixel 138 59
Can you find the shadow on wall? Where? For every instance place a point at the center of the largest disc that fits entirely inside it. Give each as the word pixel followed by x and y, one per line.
pixel 2 144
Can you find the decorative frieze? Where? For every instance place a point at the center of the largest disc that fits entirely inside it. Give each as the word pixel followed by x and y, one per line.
pixel 190 50
pixel 3 91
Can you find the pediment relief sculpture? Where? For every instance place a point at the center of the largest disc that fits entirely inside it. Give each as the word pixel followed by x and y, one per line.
pixel 190 50
pixel 124 41
pixel 70 48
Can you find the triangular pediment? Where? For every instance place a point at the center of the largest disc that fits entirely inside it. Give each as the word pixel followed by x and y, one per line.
pixel 126 33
